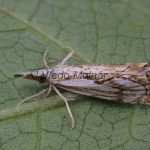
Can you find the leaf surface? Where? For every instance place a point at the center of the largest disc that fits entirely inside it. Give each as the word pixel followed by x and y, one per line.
pixel 100 32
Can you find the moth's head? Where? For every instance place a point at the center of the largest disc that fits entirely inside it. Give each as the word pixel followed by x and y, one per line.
pixel 40 76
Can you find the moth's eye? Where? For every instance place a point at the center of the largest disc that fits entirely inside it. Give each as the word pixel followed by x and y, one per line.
pixel 42 79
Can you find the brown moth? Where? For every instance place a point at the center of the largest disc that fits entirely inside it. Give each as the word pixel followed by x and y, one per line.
pixel 127 83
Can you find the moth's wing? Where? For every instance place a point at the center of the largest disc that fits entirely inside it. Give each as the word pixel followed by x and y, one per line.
pixel 87 87
pixel 116 89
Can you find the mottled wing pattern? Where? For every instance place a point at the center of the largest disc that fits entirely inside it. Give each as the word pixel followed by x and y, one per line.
pixel 130 86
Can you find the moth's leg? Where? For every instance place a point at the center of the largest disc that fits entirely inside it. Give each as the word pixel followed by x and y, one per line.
pixel 44 60
pixel 35 95
pixel 68 56
pixel 63 61
pixel 48 90
pixel 68 108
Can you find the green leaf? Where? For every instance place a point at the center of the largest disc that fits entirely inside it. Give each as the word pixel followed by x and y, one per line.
pixel 101 32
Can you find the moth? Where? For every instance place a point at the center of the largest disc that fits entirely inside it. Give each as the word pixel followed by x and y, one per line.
pixel 127 83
